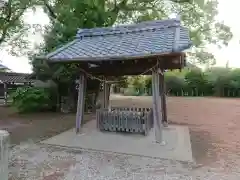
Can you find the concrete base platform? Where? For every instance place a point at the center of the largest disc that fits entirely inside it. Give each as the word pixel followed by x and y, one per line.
pixel 177 139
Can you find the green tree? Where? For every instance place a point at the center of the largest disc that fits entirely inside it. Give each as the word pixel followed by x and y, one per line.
pixel 13 30
pixel 198 15
pixel 204 30
pixel 68 15
pixel 174 84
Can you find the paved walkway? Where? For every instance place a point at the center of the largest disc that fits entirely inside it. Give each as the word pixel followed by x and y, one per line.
pixel 177 142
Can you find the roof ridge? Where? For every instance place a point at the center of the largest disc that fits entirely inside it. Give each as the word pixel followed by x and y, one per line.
pixel 3 66
pixel 132 28
pixel 13 73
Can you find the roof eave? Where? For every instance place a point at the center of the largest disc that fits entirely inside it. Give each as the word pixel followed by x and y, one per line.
pixel 109 58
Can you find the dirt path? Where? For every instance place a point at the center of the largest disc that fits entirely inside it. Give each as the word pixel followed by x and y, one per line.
pixel 214 125
pixel 214 128
pixel 35 127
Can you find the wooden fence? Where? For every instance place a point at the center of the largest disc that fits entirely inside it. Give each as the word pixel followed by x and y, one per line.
pixel 138 120
pixel 227 92
pixel 190 92
pixel 10 89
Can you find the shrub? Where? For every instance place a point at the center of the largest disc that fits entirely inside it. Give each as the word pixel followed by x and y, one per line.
pixel 199 82
pixel 138 83
pixel 130 91
pixel 148 85
pixel 195 82
pixel 32 99
pixel 174 84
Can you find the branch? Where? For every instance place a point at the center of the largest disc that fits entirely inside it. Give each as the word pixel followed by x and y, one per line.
pixel 13 39
pixel 7 20
pixel 9 14
pixel 6 28
pixel 115 11
pixel 123 6
pixel 10 20
pixel 50 10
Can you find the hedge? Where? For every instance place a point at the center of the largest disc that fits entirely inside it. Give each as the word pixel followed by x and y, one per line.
pixel 223 82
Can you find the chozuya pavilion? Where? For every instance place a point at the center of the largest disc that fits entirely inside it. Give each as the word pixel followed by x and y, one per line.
pixel 148 47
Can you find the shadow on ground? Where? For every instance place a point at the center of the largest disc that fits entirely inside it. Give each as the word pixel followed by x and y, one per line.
pixel 35 127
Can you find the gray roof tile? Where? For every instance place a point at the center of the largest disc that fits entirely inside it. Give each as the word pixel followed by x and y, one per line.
pixel 3 67
pixel 12 77
pixel 120 42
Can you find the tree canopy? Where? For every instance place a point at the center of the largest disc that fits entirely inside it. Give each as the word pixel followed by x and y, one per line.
pixel 68 15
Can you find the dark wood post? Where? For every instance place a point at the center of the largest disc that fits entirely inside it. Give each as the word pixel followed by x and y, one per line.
pixel 80 102
pixel 156 106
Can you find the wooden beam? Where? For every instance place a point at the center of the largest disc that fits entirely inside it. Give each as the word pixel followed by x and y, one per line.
pixel 80 102
pixel 129 69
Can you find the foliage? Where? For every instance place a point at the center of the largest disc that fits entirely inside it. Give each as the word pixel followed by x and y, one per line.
pixel 13 30
pixel 130 91
pixel 66 16
pixel 212 82
pixel 174 83
pixel 69 15
pixel 198 80
pixel 204 29
pixel 32 99
pixel 137 83
pixel 148 85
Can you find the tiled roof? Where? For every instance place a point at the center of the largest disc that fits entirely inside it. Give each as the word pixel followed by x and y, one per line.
pixel 10 77
pixel 125 42
pixel 3 67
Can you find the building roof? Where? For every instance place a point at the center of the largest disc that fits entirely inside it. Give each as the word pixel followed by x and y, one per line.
pixel 12 77
pixel 3 67
pixel 141 40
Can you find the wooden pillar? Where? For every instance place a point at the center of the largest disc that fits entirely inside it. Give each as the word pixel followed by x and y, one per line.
pixel 163 99
pixel 5 93
pixel 80 102
pixel 156 106
pixel 4 155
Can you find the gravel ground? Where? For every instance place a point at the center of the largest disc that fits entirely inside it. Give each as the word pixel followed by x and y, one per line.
pixel 41 162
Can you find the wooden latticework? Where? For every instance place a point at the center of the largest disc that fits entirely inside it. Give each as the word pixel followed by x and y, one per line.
pixel 138 120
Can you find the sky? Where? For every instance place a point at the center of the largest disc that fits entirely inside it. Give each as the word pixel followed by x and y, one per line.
pixel 228 12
